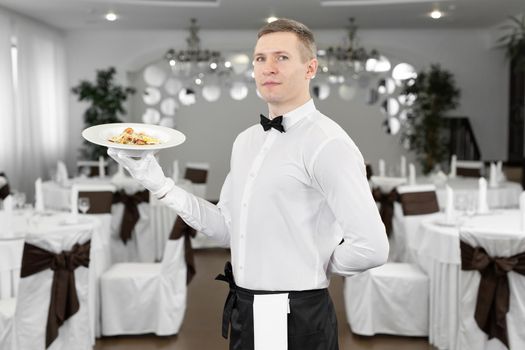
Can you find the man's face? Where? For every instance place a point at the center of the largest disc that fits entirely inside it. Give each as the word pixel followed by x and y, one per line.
pixel 282 74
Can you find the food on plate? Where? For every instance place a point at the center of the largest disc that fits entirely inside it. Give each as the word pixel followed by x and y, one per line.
pixel 130 137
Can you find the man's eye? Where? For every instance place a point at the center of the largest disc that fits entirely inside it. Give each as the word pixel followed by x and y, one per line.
pixel 282 58
pixel 259 59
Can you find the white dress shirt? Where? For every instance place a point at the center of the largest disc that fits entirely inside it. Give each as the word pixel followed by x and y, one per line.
pixel 288 201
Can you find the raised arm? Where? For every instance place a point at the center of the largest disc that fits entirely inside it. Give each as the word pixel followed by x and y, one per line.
pixel 214 221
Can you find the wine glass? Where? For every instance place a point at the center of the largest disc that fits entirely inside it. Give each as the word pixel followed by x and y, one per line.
pixel 83 204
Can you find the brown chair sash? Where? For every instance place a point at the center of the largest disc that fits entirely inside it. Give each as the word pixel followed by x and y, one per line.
pixel 64 299
pixel 99 201
pixel 131 211
pixel 369 172
pixel 387 206
pixel 468 172
pixel 4 190
pixel 419 203
pixel 197 176
pixel 180 229
pixel 492 304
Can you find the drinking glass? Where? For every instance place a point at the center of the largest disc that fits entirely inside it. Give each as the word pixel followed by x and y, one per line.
pixel 83 204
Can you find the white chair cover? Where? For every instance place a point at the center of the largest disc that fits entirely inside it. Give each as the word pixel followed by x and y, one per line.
pixel 496 244
pixel 389 299
pixel 142 298
pixel 28 325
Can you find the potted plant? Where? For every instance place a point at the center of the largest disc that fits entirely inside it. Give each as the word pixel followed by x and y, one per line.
pixel 514 41
pixel 106 100
pixel 436 93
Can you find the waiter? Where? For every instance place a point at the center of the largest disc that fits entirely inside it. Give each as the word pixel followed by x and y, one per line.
pixel 295 207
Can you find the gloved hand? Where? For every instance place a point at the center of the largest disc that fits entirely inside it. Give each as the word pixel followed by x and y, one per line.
pixel 145 169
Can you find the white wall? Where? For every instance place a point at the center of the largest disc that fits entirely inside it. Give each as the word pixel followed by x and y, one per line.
pixel 481 73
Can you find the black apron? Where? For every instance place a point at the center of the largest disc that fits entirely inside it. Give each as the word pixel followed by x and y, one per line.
pixel 312 323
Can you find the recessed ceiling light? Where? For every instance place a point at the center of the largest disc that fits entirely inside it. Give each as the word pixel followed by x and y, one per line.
pixel 111 16
pixel 436 14
pixel 271 19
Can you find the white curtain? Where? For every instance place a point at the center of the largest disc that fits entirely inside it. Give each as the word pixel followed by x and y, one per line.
pixel 37 130
pixel 7 112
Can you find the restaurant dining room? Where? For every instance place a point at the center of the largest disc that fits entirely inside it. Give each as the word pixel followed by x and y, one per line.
pixel 262 175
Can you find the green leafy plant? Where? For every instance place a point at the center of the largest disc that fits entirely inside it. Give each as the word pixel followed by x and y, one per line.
pixel 106 100
pixel 436 93
pixel 514 40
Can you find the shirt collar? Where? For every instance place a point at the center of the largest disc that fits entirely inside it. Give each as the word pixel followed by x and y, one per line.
pixel 292 117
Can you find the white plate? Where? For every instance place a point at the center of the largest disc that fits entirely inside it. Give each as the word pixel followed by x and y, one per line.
pixel 100 135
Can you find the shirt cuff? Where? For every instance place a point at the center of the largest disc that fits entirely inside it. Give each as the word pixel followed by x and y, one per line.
pixel 176 198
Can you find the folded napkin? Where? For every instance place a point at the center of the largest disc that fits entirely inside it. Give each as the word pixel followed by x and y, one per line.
pixel 411 174
pixel 449 206
pixel 176 171
pixel 270 327
pixel 9 203
pixel 61 172
pixel 493 176
pixel 403 172
pixel 101 167
pixel 499 171
pixel 453 163
pixel 381 167
pixel 482 196
pixel 39 195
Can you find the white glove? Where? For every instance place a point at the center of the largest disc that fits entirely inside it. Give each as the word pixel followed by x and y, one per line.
pixel 145 169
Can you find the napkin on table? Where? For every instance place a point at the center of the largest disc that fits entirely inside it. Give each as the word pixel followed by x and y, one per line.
pixel 39 195
pixel 493 176
pixel 381 167
pixel 482 196
pixel 101 167
pixel 453 161
pixel 411 174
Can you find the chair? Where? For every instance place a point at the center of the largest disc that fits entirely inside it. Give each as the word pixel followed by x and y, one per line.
pixel 197 173
pixel 478 281
pixel 90 168
pixel 469 168
pixel 416 204
pixel 28 321
pixel 389 299
pixel 142 298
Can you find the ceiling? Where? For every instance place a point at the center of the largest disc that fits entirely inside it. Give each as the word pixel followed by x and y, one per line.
pixel 250 14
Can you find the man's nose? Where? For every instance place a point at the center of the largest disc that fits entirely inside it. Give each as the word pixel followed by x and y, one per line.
pixel 270 67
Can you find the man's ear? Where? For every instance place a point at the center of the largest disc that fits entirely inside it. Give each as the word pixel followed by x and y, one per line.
pixel 312 68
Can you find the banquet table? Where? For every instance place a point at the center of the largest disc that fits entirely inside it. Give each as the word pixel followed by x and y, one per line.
pixel 505 195
pixel 435 248
pixel 16 224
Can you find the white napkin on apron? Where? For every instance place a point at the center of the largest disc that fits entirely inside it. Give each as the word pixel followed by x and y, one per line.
pixel 270 321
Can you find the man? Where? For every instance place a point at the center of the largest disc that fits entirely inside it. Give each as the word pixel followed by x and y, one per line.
pixel 295 208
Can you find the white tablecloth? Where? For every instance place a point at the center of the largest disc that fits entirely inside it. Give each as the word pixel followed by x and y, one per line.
pixel 506 195
pixel 435 248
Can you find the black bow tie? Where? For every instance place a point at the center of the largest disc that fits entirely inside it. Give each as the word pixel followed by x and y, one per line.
pixel 276 123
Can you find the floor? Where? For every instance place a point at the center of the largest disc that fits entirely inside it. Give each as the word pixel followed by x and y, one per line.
pixel 201 327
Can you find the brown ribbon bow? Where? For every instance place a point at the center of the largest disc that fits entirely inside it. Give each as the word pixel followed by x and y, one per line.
pixel 4 190
pixel 387 206
pixel 131 211
pixel 64 299
pixel 180 229
pixel 492 304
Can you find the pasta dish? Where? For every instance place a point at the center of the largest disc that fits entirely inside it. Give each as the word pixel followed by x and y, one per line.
pixel 130 137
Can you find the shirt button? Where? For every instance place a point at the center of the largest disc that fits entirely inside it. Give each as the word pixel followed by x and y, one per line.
pixel 252 174
pixel 241 267
pixel 244 205
pixel 242 235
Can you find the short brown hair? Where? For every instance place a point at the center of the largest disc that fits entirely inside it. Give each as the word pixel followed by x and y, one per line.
pixel 303 33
